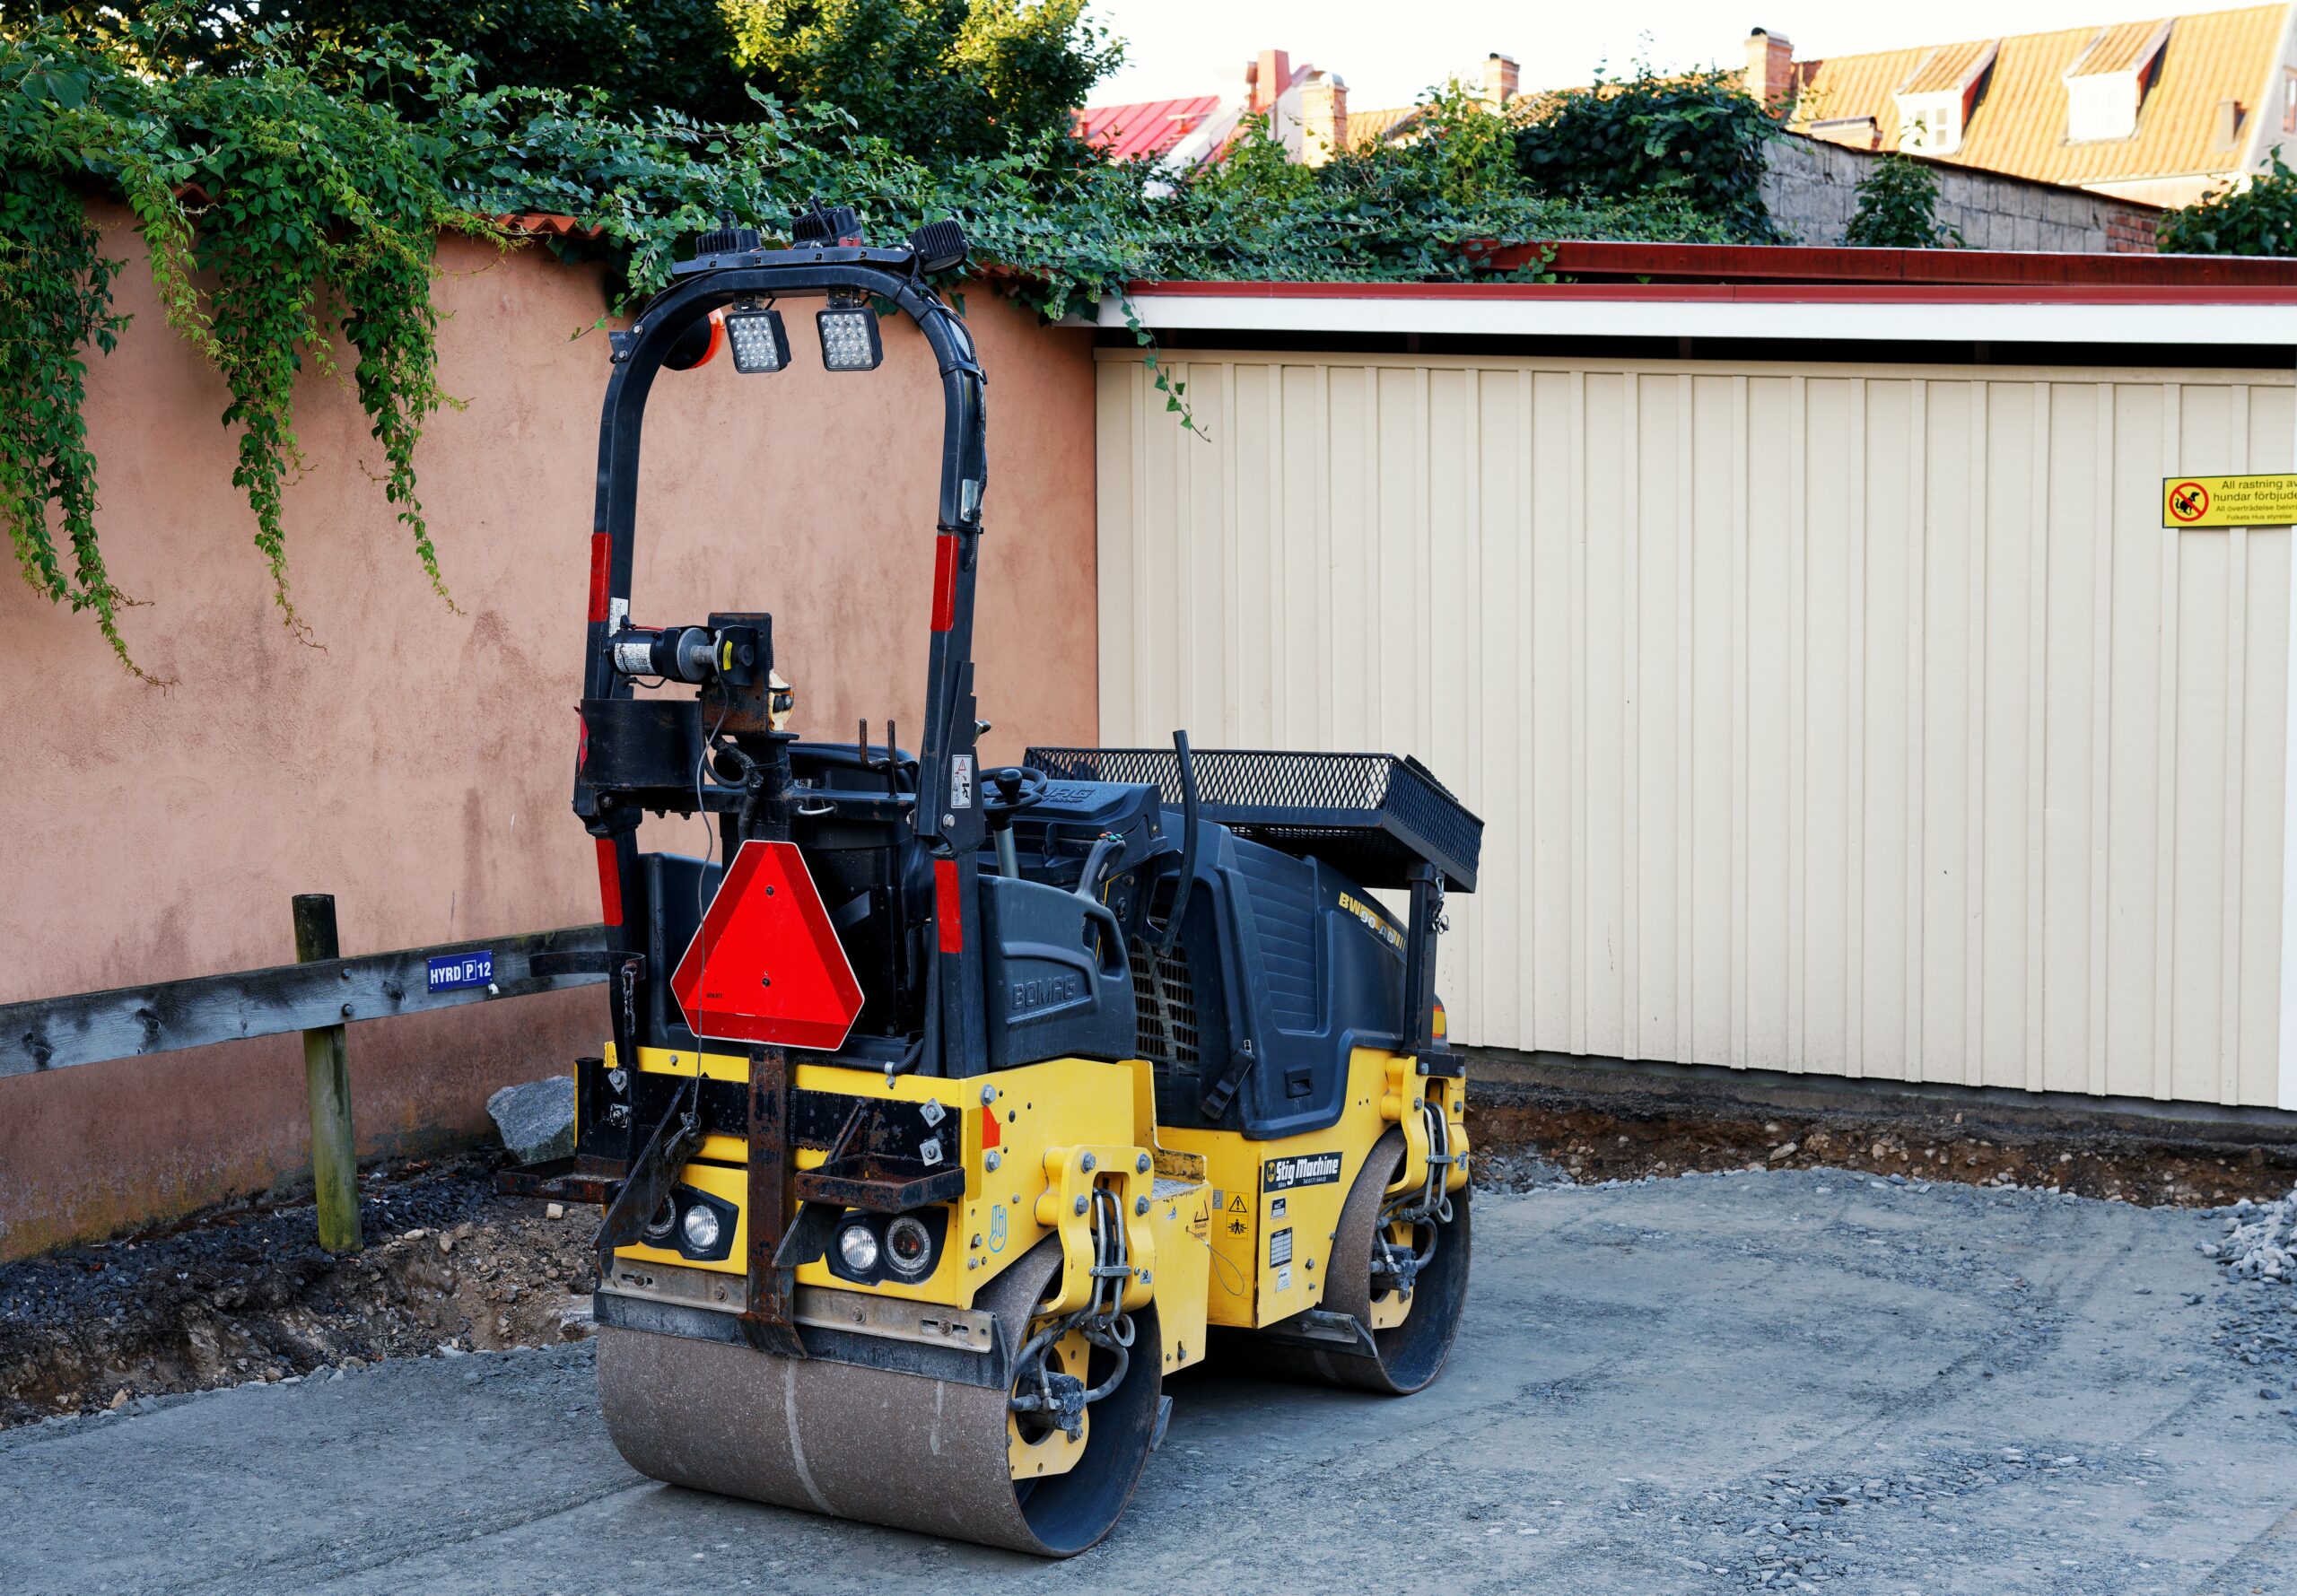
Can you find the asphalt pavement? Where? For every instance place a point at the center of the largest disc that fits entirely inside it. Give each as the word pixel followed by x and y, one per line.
pixel 1760 1381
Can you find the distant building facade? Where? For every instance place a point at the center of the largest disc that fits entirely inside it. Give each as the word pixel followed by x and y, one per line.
pixel 2160 110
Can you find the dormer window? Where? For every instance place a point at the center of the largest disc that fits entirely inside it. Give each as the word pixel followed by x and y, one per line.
pixel 1935 103
pixel 2106 85
pixel 1858 132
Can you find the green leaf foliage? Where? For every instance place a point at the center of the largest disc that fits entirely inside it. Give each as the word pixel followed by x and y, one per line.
pixel 1898 208
pixel 296 198
pixel 938 79
pixel 2259 217
pixel 54 300
pixel 313 212
pixel 1696 140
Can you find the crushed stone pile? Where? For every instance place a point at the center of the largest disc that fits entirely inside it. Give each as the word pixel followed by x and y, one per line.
pixel 2260 1240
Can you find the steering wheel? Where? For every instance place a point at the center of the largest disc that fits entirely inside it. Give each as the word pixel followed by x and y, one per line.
pixel 1008 789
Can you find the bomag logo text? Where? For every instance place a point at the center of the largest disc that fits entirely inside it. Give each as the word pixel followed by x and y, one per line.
pixel 1051 992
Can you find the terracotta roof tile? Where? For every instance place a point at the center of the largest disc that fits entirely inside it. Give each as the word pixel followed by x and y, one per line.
pixel 548 224
pixel 2122 48
pixel 1949 66
pixel 1365 129
pixel 2018 124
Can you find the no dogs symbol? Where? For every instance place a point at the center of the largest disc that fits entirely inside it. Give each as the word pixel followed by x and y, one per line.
pixel 2188 503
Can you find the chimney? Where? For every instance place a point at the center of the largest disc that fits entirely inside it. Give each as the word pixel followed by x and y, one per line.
pixel 1324 117
pixel 1770 70
pixel 1500 76
pixel 1268 76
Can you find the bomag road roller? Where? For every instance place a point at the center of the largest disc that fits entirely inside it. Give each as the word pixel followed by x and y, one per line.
pixel 948 1110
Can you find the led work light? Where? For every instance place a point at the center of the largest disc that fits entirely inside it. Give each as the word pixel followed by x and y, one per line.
pixel 759 340
pixel 850 341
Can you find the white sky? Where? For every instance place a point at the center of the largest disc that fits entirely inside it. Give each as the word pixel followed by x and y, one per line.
pixel 1388 50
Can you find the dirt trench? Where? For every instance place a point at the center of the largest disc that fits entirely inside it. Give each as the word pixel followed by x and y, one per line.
pixel 243 1293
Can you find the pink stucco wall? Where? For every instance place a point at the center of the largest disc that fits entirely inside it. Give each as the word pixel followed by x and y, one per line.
pixel 414 759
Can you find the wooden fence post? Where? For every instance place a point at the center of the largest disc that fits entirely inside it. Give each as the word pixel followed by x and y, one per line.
pixel 327 1078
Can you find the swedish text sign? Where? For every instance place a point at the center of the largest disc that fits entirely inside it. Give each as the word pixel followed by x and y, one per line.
pixel 2190 501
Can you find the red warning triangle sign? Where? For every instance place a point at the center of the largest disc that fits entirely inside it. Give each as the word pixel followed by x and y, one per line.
pixel 766 965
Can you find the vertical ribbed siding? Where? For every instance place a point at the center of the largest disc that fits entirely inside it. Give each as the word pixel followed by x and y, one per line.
pixel 1857 724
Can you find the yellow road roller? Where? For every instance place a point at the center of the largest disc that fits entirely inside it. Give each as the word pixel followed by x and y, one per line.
pixel 946 1111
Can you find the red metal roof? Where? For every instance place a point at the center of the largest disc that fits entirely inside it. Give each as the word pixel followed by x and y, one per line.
pixel 1146 128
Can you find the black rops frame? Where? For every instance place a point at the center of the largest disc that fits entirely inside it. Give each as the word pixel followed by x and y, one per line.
pixel 958 1042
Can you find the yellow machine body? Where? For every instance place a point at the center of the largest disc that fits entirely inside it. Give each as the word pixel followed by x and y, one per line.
pixel 1222 1230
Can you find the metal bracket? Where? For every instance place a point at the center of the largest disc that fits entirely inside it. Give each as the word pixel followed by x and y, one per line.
pixel 651 1175
pixel 767 1321
pixel 1214 1099
pixel 1325 1328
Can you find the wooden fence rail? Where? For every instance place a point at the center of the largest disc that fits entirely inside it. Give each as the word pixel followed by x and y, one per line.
pixel 129 1022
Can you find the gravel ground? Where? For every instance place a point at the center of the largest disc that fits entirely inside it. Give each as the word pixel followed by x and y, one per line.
pixel 1776 1380
pixel 243 1293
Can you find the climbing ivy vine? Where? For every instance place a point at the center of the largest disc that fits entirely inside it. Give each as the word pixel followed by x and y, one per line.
pixel 295 202
pixel 312 211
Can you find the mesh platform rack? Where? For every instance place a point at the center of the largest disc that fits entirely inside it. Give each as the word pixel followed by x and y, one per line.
pixel 1369 815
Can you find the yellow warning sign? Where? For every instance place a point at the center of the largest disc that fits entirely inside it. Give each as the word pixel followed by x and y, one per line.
pixel 2189 501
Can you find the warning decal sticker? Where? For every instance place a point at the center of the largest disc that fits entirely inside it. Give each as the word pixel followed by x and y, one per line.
pixel 2191 502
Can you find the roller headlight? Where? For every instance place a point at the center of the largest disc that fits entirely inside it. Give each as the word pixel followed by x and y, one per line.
pixel 858 1245
pixel 909 1247
pixel 701 1228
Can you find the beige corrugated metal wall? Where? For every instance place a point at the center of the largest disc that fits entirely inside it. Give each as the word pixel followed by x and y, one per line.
pixel 1858 720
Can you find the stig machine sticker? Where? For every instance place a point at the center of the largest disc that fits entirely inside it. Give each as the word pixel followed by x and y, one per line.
pixel 1303 1169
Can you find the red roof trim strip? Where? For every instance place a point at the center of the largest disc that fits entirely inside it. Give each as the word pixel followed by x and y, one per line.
pixel 1805 263
pixel 2037 294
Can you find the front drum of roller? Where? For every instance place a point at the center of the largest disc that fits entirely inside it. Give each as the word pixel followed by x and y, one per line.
pixel 1410 1354
pixel 904 1450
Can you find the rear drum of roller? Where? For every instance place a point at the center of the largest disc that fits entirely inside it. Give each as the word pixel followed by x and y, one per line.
pixel 904 1450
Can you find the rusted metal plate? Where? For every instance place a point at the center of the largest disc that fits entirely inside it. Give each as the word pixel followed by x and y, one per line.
pixel 580 1179
pixel 880 1186
pixel 765 1320
pixel 969 1330
pixel 714 1290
